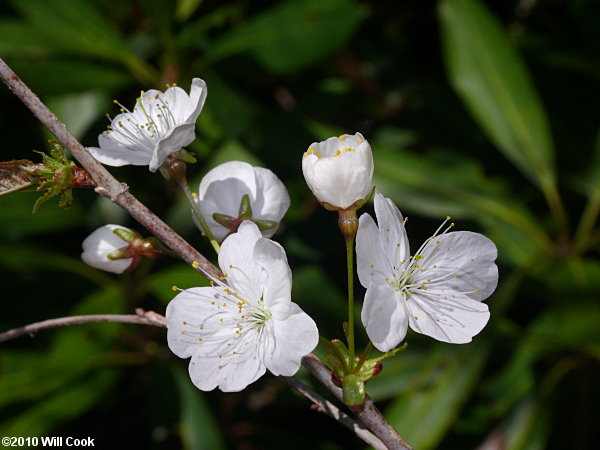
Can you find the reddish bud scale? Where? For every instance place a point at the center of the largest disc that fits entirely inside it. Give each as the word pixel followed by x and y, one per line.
pixel 81 178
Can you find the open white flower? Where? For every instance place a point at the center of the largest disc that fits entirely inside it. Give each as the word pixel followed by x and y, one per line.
pixel 221 198
pixel 339 171
pixel 234 332
pixel 161 123
pixel 102 242
pixel 437 290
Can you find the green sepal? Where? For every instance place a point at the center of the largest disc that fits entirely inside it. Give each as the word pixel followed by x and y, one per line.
pixel 186 156
pixel 353 389
pixel 245 211
pixel 121 253
pixel 126 235
pixel 225 220
pixel 264 224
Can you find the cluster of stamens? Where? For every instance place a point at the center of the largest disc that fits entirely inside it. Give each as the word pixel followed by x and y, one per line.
pixel 338 152
pixel 150 121
pixel 231 324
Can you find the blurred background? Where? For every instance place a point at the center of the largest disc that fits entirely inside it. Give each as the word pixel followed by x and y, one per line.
pixel 486 111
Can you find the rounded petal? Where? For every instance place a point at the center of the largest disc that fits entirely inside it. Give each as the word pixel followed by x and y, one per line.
pixel 198 93
pixel 372 263
pixel 447 317
pixel 113 153
pixel 221 191
pixel 278 276
pixel 236 259
pixel 99 244
pixel 175 140
pixel 392 233
pixel 295 336
pixel 461 261
pixel 182 314
pixel 384 316
pixel 272 198
pixel 229 372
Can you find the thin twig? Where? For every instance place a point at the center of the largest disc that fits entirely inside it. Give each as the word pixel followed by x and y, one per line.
pixel 141 318
pixel 326 407
pixel 109 187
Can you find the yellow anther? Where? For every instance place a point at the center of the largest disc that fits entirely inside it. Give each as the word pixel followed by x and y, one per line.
pixel 416 318
pixel 194 195
pixel 195 264
pixel 174 288
pixel 337 152
pixel 457 276
pixel 452 224
pixel 199 339
pixel 371 266
pixel 343 137
pixel 185 323
pixel 472 259
pixel 310 151
pixel 448 217
pixel 476 290
pixel 318 155
pixel 221 319
pixel 116 102
pixel 360 141
pixel 230 266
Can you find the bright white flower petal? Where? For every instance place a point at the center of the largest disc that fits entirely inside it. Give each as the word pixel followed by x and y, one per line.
pixel 99 244
pixel 464 261
pixel 235 332
pixel 339 171
pixel 372 264
pixel 222 188
pixel 440 287
pixel 453 318
pixel 296 336
pixel 384 316
pixel 161 123
pixel 236 258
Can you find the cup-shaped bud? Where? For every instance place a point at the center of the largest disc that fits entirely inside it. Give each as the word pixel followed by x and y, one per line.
pixel 339 170
pixel 106 250
pixel 236 191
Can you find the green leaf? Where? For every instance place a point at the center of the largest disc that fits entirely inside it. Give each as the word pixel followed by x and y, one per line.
pixel 492 80
pixel 528 427
pixel 17 221
pixel 75 26
pixel 185 8
pixel 80 110
pixel 55 77
pixel 19 39
pixel 293 34
pixel 198 427
pixel 423 416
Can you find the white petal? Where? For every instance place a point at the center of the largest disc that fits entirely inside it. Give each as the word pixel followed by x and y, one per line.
pixel 295 337
pixel 183 314
pixel 384 316
pixel 464 263
pixel 371 259
pixel 278 276
pixel 236 259
pixel 174 141
pixel 447 317
pixel 221 191
pixel 392 233
pixel 272 198
pixel 198 93
pixel 99 244
pixel 114 154
pixel 231 373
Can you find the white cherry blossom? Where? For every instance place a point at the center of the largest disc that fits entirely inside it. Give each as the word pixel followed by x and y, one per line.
pixel 437 290
pixel 234 332
pixel 221 192
pixel 98 245
pixel 161 123
pixel 339 170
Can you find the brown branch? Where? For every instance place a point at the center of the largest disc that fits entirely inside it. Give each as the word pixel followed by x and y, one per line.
pixel 109 187
pixel 140 317
pixel 326 407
